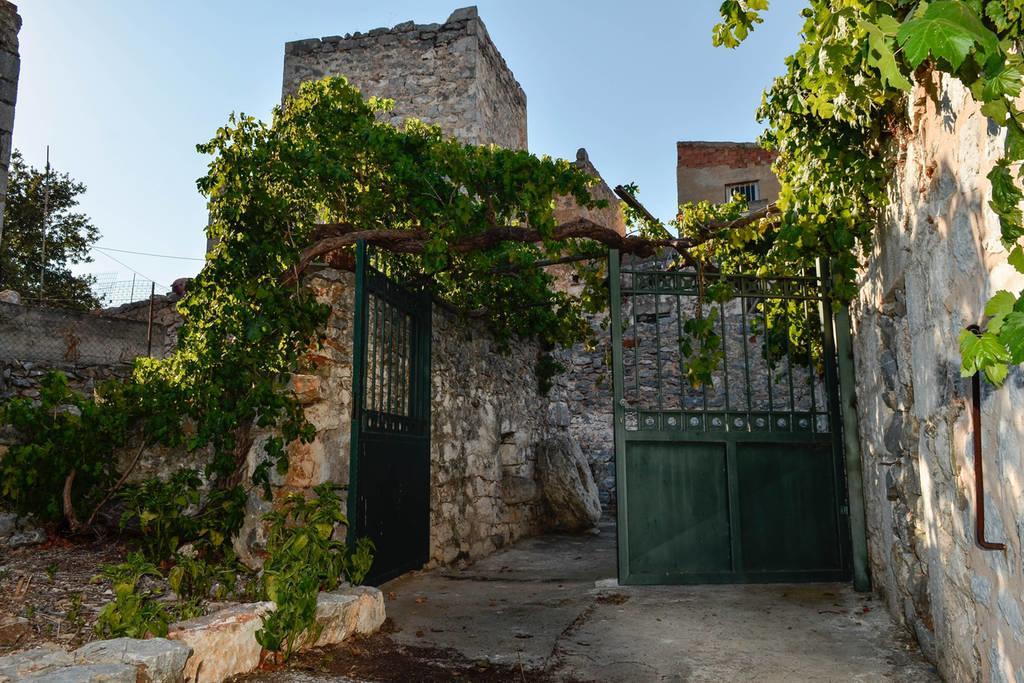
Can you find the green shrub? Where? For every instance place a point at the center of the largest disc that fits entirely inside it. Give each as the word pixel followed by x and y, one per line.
pixel 64 437
pixel 160 508
pixel 135 611
pixel 61 434
pixel 194 578
pixel 171 513
pixel 303 559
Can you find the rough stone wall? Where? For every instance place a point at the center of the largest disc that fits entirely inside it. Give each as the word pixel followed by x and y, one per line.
pixel 936 261
pixel 22 378
pixel 581 398
pixel 486 419
pixel 448 74
pixel 10 65
pixel 581 401
pixel 703 169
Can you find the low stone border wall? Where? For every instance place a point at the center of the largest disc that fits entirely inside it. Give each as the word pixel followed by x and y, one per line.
pixel 204 650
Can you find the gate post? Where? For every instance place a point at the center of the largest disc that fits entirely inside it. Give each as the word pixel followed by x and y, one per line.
pixel 839 317
pixel 359 323
pixel 618 413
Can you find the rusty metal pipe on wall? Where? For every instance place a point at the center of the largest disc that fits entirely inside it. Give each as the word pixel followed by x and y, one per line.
pixel 979 479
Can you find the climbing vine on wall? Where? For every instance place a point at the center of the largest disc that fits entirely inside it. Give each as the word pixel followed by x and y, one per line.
pixel 833 113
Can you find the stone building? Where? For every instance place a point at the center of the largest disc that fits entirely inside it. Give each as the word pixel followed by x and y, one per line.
pixel 10 65
pixel 715 171
pixel 449 74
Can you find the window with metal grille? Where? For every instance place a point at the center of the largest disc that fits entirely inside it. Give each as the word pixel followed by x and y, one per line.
pixel 749 191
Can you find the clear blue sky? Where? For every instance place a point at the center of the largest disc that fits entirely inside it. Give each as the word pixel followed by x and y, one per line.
pixel 122 90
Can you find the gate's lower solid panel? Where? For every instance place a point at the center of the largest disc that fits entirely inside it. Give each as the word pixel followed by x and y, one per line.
pixel 787 507
pixel 393 503
pixel 677 513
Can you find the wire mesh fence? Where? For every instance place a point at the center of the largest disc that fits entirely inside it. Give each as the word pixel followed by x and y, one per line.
pixel 118 292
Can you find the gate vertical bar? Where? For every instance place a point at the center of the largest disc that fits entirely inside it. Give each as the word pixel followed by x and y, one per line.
pixel 619 421
pixel 840 318
pixel 359 324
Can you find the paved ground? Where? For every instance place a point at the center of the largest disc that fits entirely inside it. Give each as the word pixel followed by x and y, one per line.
pixel 541 611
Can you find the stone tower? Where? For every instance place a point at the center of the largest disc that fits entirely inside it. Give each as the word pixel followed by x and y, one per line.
pixel 448 74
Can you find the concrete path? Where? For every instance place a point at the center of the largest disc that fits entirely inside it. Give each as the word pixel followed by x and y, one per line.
pixel 546 609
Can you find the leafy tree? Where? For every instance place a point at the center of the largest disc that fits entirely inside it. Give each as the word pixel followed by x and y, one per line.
pixel 834 116
pixel 69 236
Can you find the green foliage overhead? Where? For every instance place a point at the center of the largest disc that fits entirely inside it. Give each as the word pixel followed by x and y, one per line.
pixel 948 30
pixel 831 117
pixel 69 236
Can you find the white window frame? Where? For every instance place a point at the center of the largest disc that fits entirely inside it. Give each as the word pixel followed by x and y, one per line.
pixel 734 187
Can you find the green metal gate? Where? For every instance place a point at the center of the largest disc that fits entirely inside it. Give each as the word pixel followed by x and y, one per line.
pixel 389 481
pixel 739 480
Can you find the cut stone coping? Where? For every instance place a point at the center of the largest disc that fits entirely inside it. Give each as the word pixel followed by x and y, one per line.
pixel 158 660
pixel 207 649
pixel 88 673
pixel 224 643
pixel 21 665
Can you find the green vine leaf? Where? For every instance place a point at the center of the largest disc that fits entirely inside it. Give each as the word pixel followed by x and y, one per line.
pixel 1016 259
pixel 881 57
pixel 980 351
pixel 1011 335
pixel 1014 139
pixel 997 308
pixel 1006 199
pixel 1006 82
pixel 947 30
pixel 996 374
pixel 1001 303
pixel 738 19
pixel 997 110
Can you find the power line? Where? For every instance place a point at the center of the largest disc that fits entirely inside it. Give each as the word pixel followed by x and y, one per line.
pixel 144 253
pixel 126 266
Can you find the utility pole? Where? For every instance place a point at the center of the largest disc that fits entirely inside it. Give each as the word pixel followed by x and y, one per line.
pixel 46 221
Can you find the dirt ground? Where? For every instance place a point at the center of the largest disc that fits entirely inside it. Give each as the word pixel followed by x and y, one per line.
pixel 50 585
pixel 380 658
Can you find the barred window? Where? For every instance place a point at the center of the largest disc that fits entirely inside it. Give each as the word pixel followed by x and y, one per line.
pixel 748 190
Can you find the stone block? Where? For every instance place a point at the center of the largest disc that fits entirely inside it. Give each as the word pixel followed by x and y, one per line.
pixel 8 520
pixel 517 490
pixel 157 660
pixel 20 665
pixel 307 388
pixel 558 414
pixel 223 643
pixel 462 14
pixel 13 629
pixel 326 415
pixel 88 673
pixel 25 537
pixel 568 484
pixel 342 613
pixel 305 464
pixel 510 455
